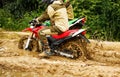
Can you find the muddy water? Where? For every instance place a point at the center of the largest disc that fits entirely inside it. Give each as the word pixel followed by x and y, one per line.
pixel 6 73
pixel 55 67
pixel 104 61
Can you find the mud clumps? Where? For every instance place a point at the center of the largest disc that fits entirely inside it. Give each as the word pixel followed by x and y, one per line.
pixel 104 51
pixel 103 60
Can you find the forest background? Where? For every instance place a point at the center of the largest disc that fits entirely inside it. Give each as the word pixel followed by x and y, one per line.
pixel 103 16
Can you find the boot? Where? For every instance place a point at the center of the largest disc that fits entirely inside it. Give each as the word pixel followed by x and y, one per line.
pixel 43 55
pixel 46 52
pixel 46 48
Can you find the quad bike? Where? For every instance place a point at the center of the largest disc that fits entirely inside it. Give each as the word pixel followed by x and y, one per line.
pixel 71 43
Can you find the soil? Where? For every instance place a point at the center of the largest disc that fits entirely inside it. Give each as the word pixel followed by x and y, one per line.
pixel 103 61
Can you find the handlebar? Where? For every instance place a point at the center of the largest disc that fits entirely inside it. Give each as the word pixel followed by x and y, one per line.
pixel 33 22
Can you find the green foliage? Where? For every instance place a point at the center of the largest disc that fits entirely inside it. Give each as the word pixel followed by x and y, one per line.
pixel 103 16
pixel 8 22
pixel 24 22
pixel 5 19
pixel 19 7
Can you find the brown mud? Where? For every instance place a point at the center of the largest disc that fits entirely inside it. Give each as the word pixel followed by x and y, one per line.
pixel 104 60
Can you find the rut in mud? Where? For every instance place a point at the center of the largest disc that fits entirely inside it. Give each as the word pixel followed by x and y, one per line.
pixel 104 60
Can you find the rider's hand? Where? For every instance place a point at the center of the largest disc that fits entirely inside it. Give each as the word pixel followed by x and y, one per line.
pixel 33 21
pixel 37 20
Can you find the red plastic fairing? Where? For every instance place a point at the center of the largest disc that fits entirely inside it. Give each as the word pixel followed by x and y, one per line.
pixel 64 34
pixel 27 29
pixel 83 33
pixel 35 30
pixel 83 20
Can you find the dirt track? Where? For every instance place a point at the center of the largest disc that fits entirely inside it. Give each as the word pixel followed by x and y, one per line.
pixel 104 61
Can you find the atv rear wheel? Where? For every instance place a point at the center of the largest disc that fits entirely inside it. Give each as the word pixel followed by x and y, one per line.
pixel 33 46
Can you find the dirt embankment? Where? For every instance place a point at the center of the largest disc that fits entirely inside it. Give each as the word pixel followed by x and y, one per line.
pixel 104 60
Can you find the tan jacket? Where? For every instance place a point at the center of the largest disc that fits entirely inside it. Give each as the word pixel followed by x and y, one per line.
pixel 57 14
pixel 70 12
pixel 69 9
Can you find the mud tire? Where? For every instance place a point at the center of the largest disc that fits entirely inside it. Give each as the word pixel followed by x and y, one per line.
pixel 77 46
pixel 33 46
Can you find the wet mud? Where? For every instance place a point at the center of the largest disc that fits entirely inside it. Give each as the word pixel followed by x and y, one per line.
pixel 103 61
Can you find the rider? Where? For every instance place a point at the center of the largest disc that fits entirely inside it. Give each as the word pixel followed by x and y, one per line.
pixel 57 13
pixel 69 9
pixel 69 12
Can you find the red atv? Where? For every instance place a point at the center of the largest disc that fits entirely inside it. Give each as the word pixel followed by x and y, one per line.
pixel 71 43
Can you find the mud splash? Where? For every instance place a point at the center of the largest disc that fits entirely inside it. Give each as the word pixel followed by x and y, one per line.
pixel 104 51
pixel 104 60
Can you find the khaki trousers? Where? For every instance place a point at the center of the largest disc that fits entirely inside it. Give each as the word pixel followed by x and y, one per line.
pixel 48 31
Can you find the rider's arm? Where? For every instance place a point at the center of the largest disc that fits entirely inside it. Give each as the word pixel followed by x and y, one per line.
pixel 44 16
pixel 67 3
pixel 69 9
pixel 50 11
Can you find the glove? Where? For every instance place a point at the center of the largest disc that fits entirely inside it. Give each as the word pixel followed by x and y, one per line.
pixel 37 20
pixel 33 21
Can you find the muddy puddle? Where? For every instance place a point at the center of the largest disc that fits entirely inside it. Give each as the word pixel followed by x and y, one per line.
pixel 104 61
